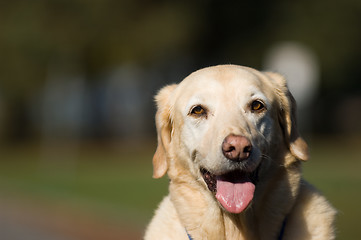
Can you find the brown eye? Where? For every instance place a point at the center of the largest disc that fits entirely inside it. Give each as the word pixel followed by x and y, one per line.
pixel 257 106
pixel 198 110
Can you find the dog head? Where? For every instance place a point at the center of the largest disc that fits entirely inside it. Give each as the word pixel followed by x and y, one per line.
pixel 220 125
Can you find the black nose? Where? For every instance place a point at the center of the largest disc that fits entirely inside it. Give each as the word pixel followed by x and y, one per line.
pixel 236 148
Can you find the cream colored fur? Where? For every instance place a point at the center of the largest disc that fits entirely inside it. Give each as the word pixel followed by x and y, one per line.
pixel 186 143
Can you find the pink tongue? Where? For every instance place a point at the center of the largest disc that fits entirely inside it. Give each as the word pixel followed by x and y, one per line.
pixel 234 197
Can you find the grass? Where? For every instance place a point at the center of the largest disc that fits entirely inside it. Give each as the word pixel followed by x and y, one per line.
pixel 118 184
pixel 335 169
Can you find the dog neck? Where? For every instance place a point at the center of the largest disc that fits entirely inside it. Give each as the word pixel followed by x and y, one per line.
pixel 280 236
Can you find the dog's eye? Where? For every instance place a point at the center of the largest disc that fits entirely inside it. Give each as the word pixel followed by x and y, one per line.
pixel 257 106
pixel 198 111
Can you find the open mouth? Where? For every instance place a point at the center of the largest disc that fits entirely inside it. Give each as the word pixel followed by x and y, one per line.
pixel 233 190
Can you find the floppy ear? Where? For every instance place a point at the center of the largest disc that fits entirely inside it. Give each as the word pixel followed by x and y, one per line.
pixel 164 129
pixel 287 118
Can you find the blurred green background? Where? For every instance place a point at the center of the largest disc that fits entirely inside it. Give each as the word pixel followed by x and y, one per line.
pixel 77 80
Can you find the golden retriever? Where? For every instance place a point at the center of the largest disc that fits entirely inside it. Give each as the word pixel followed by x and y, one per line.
pixel 228 140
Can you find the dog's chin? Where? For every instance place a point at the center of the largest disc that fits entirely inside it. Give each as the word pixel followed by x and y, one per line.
pixel 234 190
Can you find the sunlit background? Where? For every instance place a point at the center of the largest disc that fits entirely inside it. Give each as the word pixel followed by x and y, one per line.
pixel 77 80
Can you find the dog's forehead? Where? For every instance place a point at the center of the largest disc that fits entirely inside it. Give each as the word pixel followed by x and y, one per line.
pixel 225 79
pixel 223 74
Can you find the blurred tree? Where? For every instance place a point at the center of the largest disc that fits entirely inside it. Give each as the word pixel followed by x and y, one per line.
pixel 95 36
pixel 91 35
